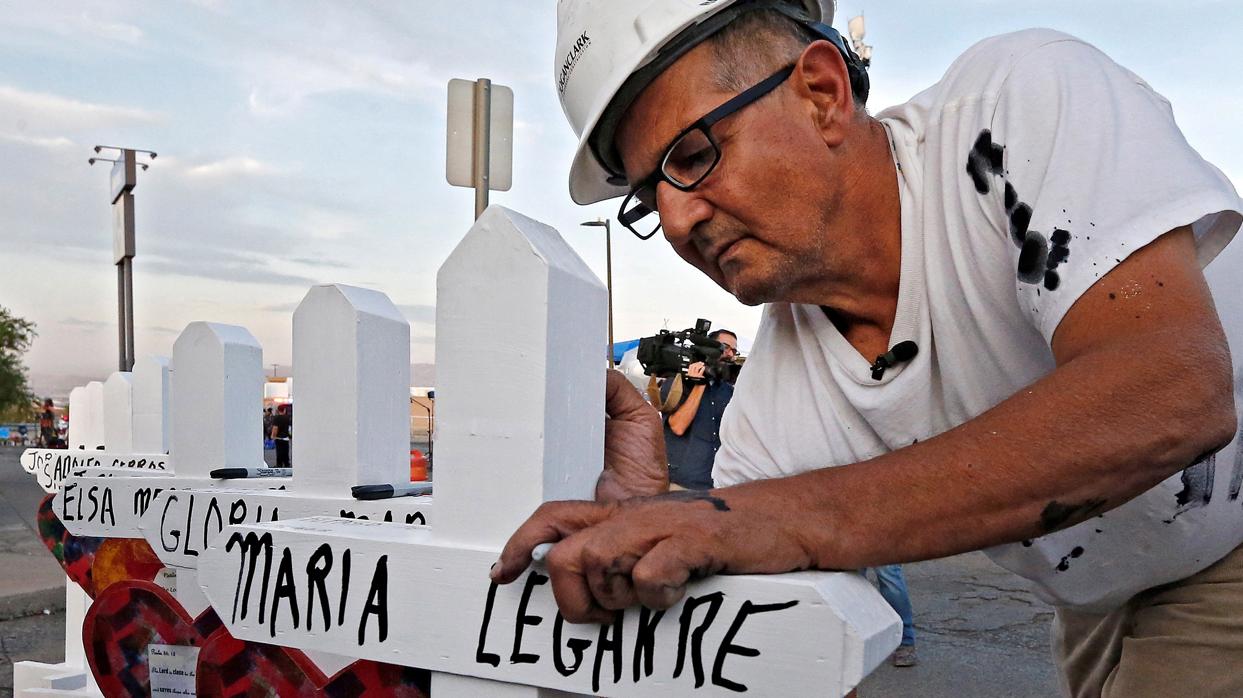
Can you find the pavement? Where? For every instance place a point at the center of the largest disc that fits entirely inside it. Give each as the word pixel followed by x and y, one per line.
pixel 30 578
pixel 979 632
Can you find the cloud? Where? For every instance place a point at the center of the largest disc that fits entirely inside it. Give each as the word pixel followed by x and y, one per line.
pixel 53 143
pixel 221 265
pixel 237 166
pixel 54 113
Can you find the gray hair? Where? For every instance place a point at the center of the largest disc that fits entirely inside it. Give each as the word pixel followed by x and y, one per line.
pixel 754 45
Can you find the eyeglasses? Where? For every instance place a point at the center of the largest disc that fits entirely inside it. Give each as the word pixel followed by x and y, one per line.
pixel 690 158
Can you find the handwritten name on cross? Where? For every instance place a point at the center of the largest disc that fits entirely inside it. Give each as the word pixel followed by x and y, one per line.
pixel 216 422
pixel 352 367
pixel 508 440
pixel 122 396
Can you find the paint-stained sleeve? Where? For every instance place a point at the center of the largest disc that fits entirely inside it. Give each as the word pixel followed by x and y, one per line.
pixel 1092 167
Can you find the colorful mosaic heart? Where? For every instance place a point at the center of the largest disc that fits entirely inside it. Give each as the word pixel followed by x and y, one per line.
pixel 95 563
pixel 232 668
pixel 76 554
pixel 125 619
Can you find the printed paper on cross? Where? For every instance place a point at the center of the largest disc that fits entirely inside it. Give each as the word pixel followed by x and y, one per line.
pixel 514 295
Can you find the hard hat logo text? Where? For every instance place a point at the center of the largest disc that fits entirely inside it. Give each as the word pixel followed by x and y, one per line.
pixel 571 60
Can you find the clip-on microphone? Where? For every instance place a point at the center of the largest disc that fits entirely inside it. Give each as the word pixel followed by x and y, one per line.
pixel 899 353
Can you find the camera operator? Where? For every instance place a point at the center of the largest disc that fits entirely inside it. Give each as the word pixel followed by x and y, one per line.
pixel 692 428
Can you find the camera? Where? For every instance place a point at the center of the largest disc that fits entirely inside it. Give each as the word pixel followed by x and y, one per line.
pixel 671 353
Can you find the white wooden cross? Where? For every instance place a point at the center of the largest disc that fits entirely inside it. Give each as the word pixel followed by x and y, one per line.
pixel 352 363
pixel 217 422
pixel 133 417
pixel 520 320
pixel 352 366
pixel 111 416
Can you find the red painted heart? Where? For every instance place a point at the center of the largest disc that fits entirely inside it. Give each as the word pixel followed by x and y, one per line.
pixel 232 668
pixel 95 563
pixel 128 617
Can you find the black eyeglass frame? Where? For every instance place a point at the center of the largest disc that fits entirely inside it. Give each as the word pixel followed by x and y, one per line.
pixel 704 125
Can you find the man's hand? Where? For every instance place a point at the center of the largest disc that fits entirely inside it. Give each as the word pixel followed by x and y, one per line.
pixel 611 556
pixel 634 445
pixel 696 370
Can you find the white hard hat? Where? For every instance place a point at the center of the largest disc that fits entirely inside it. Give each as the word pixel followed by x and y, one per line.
pixel 602 43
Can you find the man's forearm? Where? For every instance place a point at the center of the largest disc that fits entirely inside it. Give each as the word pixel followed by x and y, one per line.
pixel 1093 434
pixel 684 415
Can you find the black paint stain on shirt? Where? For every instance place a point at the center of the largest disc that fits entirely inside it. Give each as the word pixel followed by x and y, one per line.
pixel 1033 258
pixel 1236 477
pixel 1039 257
pixel 1197 481
pixel 984 159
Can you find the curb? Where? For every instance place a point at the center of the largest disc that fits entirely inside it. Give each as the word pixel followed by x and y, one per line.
pixel 32 603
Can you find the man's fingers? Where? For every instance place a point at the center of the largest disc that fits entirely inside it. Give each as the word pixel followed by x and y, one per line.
pixel 550 523
pixel 622 401
pixel 660 577
pixel 570 586
pixel 608 578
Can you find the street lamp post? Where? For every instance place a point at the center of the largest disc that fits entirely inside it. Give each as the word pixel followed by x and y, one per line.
pixel 124 179
pixel 608 257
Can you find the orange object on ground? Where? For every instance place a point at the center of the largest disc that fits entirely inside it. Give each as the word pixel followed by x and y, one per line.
pixel 418 466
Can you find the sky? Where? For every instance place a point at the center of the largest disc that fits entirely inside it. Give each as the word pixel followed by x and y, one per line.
pixel 304 142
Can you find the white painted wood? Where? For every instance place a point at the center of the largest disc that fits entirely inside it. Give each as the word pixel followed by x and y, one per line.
pixel 352 364
pixel 418 601
pixel 520 322
pixel 71 677
pixel 78 418
pixel 94 438
pixel 351 352
pixel 217 384
pixel 152 398
pixel 514 294
pixel 50 467
pixel 217 422
pixel 351 349
pixel 180 524
pixel 119 412
pixel 94 502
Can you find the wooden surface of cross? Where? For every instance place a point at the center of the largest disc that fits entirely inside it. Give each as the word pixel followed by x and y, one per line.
pixel 126 415
pixel 351 349
pixel 520 320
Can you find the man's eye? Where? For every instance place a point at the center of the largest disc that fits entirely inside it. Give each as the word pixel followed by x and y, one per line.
pixel 689 162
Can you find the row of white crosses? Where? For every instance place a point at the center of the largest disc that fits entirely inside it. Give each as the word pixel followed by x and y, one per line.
pixel 520 420
pixel 121 494
pixel 129 415
pixel 512 295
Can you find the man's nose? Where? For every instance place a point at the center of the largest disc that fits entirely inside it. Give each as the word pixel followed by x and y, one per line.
pixel 680 212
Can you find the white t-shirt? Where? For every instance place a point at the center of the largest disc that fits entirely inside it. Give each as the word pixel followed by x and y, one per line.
pixel 1034 167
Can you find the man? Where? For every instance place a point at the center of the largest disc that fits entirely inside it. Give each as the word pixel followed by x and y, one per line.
pixel 692 428
pixel 1030 232
pixel 47 425
pixel 282 433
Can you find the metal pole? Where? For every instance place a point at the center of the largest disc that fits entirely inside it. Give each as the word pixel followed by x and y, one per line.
pixel 483 145
pixel 608 256
pixel 122 354
pixel 127 275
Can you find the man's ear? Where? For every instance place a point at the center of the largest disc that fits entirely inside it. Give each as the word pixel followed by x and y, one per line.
pixel 821 78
